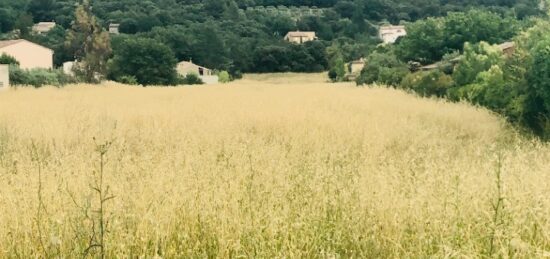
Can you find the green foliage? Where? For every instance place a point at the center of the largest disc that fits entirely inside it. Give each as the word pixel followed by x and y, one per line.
pixel 427 84
pixel 148 60
pixel 429 40
pixel 38 77
pixel 192 79
pixel 89 43
pixel 477 58
pixel 8 60
pixel 224 77
pixel 129 80
pixel 337 67
pixel 383 68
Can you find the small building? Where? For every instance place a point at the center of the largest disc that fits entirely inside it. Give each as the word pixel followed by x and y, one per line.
pixel 43 27
pixel 300 37
pixel 68 68
pixel 114 28
pixel 508 48
pixel 30 55
pixel 188 67
pixel 390 33
pixel 355 67
pixel 4 77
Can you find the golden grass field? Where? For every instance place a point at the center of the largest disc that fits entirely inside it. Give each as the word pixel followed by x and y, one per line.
pixel 270 166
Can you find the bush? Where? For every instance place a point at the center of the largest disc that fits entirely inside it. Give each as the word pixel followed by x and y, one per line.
pixel 192 79
pixel 432 83
pixel 224 77
pixel 38 77
pixel 129 80
pixel 8 60
pixel 383 68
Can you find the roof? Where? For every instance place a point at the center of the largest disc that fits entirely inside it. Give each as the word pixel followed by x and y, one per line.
pixel 359 61
pixel 392 27
pixel 6 43
pixel 44 26
pixel 507 45
pixel 191 63
pixel 300 34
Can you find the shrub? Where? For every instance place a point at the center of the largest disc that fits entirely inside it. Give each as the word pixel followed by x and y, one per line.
pixel 432 83
pixel 39 77
pixel 8 60
pixel 224 77
pixel 192 79
pixel 383 68
pixel 129 80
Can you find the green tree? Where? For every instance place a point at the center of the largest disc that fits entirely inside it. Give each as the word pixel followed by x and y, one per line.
pixel 427 84
pixel 383 68
pixel 147 60
pixel 89 43
pixel 6 59
pixel 477 58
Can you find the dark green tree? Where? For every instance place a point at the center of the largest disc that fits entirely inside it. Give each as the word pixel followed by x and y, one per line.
pixel 148 60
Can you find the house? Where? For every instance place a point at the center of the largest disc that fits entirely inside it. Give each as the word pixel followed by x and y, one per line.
pixel 508 48
pixel 4 77
pixel 43 27
pixel 355 67
pixel 114 28
pixel 390 33
pixel 68 68
pixel 30 55
pixel 300 36
pixel 188 67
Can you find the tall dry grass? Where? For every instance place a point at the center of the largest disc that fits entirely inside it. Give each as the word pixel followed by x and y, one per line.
pixel 262 170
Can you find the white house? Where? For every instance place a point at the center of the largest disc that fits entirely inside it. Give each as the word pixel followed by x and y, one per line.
pixel 30 55
pixel 114 28
pixel 43 27
pixel 206 75
pixel 390 33
pixel 4 77
pixel 68 68
pixel 300 37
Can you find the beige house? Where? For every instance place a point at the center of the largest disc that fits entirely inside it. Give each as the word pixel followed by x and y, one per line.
pixel 30 55
pixel 300 36
pixel 508 48
pixel 355 67
pixel 390 33
pixel 43 27
pixel 206 75
pixel 114 28
pixel 4 77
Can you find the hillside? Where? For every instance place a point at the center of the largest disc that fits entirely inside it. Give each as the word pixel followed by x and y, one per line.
pixel 265 167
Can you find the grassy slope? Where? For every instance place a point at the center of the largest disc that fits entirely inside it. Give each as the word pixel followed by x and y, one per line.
pixel 302 169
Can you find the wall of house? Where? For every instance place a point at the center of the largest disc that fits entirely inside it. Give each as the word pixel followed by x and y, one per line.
pixel 299 39
pixel 390 36
pixel 210 79
pixel 357 67
pixel 30 55
pixel 4 77
pixel 185 68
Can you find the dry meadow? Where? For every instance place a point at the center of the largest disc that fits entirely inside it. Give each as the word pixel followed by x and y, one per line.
pixel 266 167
